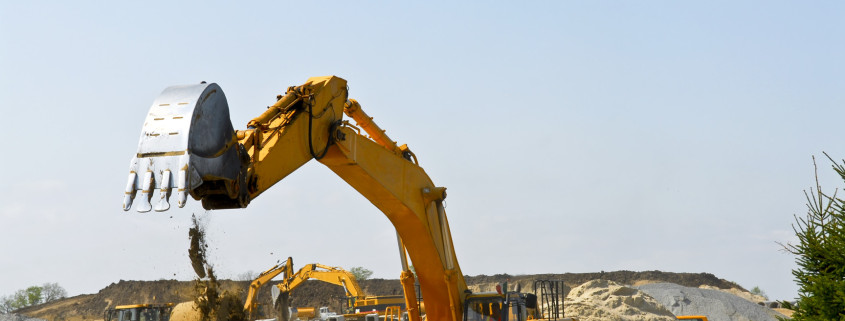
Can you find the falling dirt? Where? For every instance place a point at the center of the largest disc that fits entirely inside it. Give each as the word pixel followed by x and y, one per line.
pixel 230 307
pixel 198 246
pixel 210 302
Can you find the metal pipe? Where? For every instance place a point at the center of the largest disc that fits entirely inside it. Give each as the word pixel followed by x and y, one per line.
pixel 353 110
pixel 402 254
pixel 263 120
pixel 447 240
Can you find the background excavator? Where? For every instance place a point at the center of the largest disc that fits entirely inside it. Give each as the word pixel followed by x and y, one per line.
pixel 188 144
pixel 356 299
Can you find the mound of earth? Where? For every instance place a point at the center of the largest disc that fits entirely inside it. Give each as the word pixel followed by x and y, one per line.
pixel 92 306
pixel 317 294
pixel 525 283
pixel 715 304
pixel 602 300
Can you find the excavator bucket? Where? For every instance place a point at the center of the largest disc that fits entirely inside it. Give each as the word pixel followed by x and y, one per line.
pixel 187 144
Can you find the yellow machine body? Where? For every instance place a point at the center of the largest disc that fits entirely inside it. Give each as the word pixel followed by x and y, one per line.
pixel 307 122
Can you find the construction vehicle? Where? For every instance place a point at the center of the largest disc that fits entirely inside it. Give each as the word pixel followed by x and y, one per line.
pixel 356 300
pixel 139 312
pixel 188 144
pixel 250 305
pixel 328 274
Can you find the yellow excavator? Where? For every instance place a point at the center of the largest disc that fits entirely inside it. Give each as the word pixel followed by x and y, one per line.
pixel 328 274
pixel 356 300
pixel 250 305
pixel 188 146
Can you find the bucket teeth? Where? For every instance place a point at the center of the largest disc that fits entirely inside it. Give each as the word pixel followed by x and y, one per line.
pixel 181 193
pixel 164 192
pixel 187 136
pixel 146 193
pixel 129 192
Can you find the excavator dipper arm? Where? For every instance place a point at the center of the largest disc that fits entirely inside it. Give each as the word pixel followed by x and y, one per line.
pixel 285 268
pixel 306 123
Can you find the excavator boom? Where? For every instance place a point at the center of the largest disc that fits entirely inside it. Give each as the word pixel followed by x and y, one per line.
pixel 189 144
pixel 325 273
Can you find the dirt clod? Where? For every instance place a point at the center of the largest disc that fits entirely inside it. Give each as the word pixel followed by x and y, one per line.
pixel 198 247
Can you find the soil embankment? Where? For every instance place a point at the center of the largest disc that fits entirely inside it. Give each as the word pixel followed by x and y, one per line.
pixel 315 293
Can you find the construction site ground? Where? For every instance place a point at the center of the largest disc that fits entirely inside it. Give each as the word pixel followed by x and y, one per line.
pixel 316 294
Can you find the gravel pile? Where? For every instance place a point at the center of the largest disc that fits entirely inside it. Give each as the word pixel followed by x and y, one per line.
pixel 716 305
pixel 740 293
pixel 17 317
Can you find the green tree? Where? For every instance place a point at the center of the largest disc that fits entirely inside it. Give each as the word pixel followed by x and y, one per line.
pixel 757 291
pixel 820 254
pixel 15 301
pixel 31 296
pixel 360 273
pixel 19 300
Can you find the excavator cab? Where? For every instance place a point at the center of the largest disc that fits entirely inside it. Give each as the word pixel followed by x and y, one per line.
pixel 517 307
pixel 494 307
pixel 139 312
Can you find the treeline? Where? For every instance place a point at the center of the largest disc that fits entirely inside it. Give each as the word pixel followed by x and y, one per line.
pixel 31 296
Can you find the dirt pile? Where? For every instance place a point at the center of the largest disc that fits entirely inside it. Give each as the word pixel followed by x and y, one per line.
pixel 525 283
pixel 603 300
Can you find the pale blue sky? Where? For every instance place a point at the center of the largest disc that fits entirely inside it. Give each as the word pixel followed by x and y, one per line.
pixel 572 136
